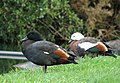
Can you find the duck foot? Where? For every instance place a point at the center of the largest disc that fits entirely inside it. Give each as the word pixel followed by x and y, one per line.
pixel 44 68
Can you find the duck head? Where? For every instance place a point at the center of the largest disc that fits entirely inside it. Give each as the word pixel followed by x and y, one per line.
pixel 33 35
pixel 76 36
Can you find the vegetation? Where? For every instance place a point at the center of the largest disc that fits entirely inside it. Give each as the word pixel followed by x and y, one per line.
pixel 57 17
pixel 6 65
pixel 19 16
pixel 101 16
pixel 89 70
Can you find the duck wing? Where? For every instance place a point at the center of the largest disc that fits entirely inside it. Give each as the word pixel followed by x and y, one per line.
pixel 47 53
pixel 87 43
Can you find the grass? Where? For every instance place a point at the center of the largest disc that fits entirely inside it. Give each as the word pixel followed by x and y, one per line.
pixel 89 70
pixel 7 64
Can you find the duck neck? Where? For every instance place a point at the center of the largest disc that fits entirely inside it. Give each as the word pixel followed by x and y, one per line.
pixel 25 44
pixel 73 43
pixel 73 46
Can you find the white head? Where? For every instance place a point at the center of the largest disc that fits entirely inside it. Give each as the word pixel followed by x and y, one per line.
pixel 77 36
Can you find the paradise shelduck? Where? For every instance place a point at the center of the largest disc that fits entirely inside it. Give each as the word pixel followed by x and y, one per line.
pixel 81 45
pixel 44 53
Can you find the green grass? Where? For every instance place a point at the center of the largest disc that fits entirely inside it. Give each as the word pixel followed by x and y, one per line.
pixel 7 64
pixel 89 70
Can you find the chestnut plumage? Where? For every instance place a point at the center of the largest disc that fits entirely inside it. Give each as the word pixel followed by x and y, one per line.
pixel 44 53
pixel 81 45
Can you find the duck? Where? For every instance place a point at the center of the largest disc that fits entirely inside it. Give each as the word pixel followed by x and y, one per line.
pixel 81 45
pixel 44 53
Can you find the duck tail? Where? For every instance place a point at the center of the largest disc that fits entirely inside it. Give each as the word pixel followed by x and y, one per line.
pixel 72 61
pixel 71 58
pixel 109 53
pixel 71 54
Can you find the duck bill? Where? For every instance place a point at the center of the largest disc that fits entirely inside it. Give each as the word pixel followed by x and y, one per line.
pixel 24 39
pixel 70 41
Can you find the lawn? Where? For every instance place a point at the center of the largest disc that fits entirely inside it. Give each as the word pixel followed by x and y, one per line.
pixel 89 70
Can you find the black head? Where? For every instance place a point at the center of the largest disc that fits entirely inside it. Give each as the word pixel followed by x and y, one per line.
pixel 33 35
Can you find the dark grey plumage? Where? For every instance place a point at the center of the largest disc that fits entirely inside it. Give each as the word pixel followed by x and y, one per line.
pixel 44 53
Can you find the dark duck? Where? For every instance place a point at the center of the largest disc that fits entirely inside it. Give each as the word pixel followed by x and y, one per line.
pixel 81 45
pixel 44 53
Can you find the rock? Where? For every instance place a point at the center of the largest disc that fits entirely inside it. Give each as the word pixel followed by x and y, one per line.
pixel 27 65
pixel 115 46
